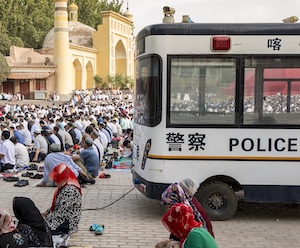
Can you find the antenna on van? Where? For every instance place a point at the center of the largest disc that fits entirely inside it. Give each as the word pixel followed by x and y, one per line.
pixel 169 14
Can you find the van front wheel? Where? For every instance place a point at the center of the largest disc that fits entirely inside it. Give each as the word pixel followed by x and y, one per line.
pixel 218 199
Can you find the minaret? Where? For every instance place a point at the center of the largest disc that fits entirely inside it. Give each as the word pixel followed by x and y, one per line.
pixel 127 13
pixel 61 54
pixel 73 12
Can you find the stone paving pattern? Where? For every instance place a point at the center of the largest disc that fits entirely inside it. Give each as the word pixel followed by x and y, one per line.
pixel 134 220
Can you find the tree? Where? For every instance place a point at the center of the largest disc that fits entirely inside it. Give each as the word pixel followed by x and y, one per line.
pixel 129 82
pixel 26 22
pixel 119 81
pixel 111 80
pixel 4 43
pixel 89 11
pixel 4 68
pixel 98 80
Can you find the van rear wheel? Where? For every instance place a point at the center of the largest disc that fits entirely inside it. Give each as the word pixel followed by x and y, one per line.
pixel 218 199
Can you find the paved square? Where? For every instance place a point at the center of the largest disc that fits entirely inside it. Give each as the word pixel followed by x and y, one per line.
pixel 134 220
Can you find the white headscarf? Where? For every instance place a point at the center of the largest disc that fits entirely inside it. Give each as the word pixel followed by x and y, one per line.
pixel 189 186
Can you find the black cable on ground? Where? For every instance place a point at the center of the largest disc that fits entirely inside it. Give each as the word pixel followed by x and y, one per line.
pixel 110 203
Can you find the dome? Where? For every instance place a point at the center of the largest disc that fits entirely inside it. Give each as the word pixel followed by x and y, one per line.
pixel 73 7
pixel 79 34
pixel 128 14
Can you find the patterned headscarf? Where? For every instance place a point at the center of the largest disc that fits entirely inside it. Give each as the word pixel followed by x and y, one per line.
pixel 6 222
pixel 179 220
pixel 62 175
pixel 175 194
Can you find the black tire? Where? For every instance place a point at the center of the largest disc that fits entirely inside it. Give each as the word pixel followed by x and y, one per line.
pixel 218 199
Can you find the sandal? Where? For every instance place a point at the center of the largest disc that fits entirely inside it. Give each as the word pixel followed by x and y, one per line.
pixel 36 176
pixel 11 179
pixel 95 226
pixel 21 183
pixel 103 175
pixel 32 167
pixel 27 174
pixel 86 180
pixel 40 169
pixel 99 230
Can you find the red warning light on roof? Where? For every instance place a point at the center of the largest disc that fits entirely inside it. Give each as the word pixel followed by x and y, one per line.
pixel 221 43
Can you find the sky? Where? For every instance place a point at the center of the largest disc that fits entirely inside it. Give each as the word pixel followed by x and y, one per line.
pixel 146 12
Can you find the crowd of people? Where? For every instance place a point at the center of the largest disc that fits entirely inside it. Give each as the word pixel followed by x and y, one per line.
pixel 71 140
pixel 272 104
pixel 12 97
pixel 92 121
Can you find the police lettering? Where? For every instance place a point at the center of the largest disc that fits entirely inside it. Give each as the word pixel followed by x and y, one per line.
pixel 269 145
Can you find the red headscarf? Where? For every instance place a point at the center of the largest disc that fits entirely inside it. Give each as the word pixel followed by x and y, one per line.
pixel 62 175
pixel 179 220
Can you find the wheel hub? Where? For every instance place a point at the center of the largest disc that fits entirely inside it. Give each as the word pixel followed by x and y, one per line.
pixel 216 201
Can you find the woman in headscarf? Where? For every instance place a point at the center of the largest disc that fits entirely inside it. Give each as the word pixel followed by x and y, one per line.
pixel 9 235
pixel 64 215
pixel 183 192
pixel 180 221
pixel 31 223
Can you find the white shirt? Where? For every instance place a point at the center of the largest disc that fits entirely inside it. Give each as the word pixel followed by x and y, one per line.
pixel 103 139
pixel 119 128
pixel 41 143
pixel 100 147
pixel 78 133
pixel 33 128
pixel 27 136
pixel 68 138
pixel 79 125
pixel 55 139
pixel 113 128
pixel 8 150
pixel 21 155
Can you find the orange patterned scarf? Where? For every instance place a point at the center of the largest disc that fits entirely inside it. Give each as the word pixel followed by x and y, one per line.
pixel 179 220
pixel 62 175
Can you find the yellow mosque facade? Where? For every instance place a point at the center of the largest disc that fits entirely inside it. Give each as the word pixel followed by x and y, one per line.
pixel 72 54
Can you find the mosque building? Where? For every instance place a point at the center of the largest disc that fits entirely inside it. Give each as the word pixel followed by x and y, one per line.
pixel 72 54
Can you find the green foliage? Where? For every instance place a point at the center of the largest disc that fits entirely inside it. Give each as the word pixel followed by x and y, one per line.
pixel 129 82
pixel 16 41
pixel 4 68
pixel 89 11
pixel 26 22
pixel 4 43
pixel 111 80
pixel 114 5
pixel 120 82
pixel 7 41
pixel 98 81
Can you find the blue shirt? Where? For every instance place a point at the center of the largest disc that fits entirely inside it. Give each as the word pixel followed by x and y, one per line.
pixel 19 137
pixel 55 158
pixel 91 161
